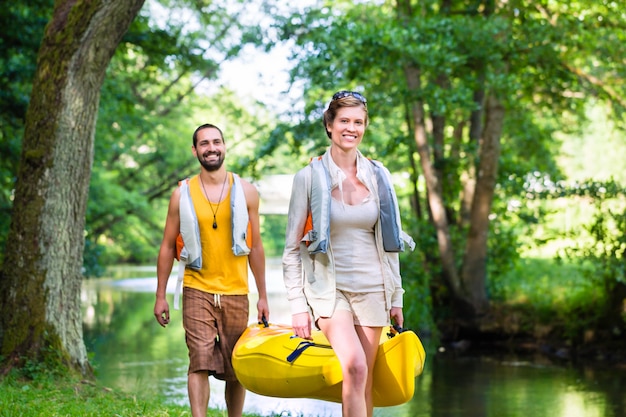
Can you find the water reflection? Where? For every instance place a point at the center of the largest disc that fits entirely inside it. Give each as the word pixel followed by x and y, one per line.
pixel 131 352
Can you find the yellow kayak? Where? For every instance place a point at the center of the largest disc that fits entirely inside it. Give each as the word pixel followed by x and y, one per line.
pixel 269 360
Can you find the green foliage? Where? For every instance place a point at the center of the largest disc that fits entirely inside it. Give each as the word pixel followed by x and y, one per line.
pixel 22 28
pixel 420 279
pixel 23 25
pixel 601 247
pixel 51 365
pixel 609 252
pixel 581 225
pixel 542 283
pixel 503 256
pixel 553 293
pixel 91 259
pixel 152 101
pixel 596 150
pixel 158 89
pixel 50 395
pixel 416 281
pixel 273 232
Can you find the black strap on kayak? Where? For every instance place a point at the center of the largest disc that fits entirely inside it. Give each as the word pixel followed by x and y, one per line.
pixel 302 346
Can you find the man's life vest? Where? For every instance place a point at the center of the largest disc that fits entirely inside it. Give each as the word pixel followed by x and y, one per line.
pixel 317 227
pixel 188 246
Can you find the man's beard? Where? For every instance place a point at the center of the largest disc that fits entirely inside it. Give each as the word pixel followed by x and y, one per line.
pixel 212 165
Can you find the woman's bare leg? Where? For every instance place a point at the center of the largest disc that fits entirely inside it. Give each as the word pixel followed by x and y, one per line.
pixel 370 339
pixel 342 335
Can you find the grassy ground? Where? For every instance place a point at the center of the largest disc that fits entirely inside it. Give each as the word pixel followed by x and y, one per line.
pixel 68 397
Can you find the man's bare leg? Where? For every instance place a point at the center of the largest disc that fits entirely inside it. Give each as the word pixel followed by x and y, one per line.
pixel 199 392
pixel 235 394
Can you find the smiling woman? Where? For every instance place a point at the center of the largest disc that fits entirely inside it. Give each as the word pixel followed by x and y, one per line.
pixel 336 239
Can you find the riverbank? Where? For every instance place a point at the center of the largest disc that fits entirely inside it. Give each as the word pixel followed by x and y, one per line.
pixel 525 331
pixel 56 396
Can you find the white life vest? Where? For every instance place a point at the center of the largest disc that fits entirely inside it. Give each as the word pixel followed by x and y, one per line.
pixel 191 253
pixel 318 229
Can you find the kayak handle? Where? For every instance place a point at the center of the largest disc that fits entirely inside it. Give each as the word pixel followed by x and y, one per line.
pixel 395 329
pixel 399 329
pixel 302 346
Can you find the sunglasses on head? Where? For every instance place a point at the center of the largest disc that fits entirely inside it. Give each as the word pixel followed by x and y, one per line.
pixel 345 93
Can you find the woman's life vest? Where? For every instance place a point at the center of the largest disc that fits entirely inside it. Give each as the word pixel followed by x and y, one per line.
pixel 317 227
pixel 188 246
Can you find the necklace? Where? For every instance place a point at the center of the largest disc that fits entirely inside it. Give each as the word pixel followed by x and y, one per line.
pixel 218 202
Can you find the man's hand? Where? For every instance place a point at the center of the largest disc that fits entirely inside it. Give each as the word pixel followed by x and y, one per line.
pixel 162 312
pixel 263 310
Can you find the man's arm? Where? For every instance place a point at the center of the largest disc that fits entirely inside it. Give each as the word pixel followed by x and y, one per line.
pixel 165 260
pixel 256 258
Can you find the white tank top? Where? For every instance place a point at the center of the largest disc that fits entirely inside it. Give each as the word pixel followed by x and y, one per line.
pixel 357 264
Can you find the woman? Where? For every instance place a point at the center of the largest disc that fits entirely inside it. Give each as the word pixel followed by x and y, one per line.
pixel 351 284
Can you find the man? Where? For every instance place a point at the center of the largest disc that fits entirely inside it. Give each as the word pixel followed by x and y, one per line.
pixel 223 210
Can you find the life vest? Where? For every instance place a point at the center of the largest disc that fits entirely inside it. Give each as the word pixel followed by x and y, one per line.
pixel 188 246
pixel 317 226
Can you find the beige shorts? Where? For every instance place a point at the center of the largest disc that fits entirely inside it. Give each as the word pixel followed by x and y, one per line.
pixel 367 308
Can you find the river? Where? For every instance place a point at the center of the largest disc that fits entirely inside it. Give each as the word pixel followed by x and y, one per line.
pixel 132 353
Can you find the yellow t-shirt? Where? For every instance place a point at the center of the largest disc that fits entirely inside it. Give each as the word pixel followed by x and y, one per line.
pixel 222 272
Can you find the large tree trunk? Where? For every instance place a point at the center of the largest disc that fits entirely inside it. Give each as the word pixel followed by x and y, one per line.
pixel 475 133
pixel 433 186
pixel 40 283
pixel 474 272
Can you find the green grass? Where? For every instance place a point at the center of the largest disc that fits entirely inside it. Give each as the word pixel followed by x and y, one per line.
pixel 48 396
pixel 561 294
pixel 543 283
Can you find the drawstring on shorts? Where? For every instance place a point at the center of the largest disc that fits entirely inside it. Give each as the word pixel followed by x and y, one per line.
pixel 217 301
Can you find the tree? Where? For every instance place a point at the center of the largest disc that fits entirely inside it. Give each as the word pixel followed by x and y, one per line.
pixel 467 284
pixel 162 81
pixel 474 90
pixel 41 277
